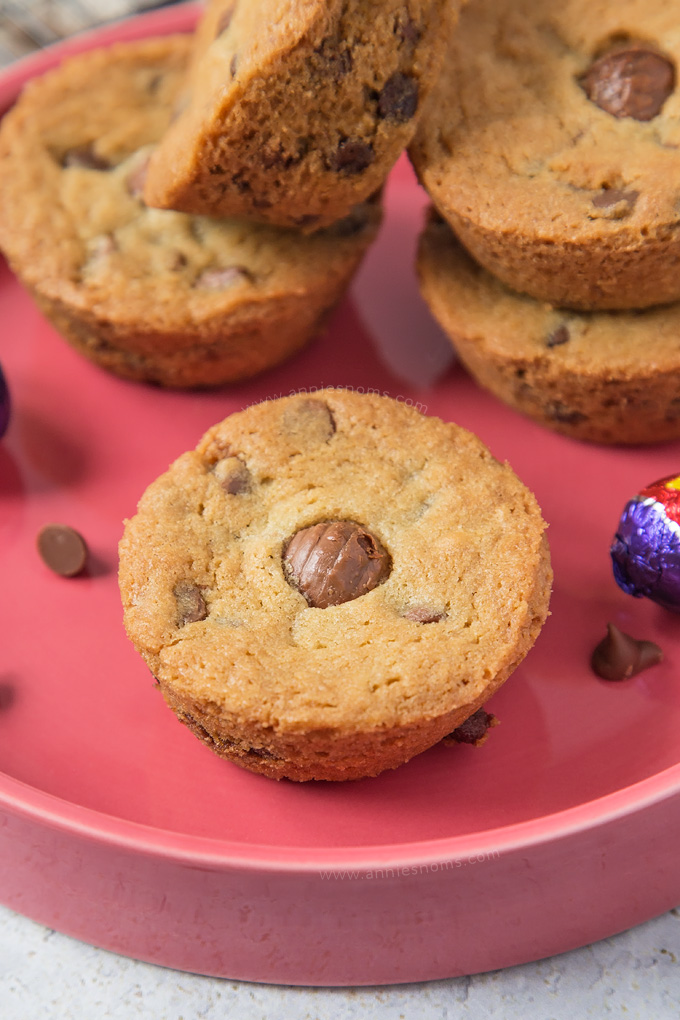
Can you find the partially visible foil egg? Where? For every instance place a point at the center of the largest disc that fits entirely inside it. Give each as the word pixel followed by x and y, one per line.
pixel 646 548
pixel 4 405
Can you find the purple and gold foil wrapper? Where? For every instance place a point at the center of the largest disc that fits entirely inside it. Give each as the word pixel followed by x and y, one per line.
pixel 646 548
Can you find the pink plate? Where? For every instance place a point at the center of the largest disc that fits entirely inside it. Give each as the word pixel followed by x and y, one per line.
pixel 117 826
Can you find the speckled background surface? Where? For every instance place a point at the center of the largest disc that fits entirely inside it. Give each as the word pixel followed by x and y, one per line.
pixel 635 976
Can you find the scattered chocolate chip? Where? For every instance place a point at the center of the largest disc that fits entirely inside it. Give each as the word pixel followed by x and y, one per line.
pixel 136 179
pixel 558 337
pixel 633 81
pixel 225 20
pixel 308 419
pixel 334 562
pixel 474 730
pixel 619 656
pixel 352 157
pixel 398 98
pixel 86 158
pixel 191 605
pixel 233 475
pixel 233 65
pixel 62 549
pixel 5 404
pixel 421 614
pixel 220 279
pixel 565 415
pixel 216 169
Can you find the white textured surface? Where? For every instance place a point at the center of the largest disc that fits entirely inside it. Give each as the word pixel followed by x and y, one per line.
pixel 635 976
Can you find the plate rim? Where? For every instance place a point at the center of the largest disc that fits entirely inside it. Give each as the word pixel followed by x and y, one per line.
pixel 55 812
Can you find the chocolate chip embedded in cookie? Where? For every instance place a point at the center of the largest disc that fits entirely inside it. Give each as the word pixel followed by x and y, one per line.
pixel 151 294
pixel 298 111
pixel 317 623
pixel 600 376
pixel 575 200
pixel 632 81
pixel 335 562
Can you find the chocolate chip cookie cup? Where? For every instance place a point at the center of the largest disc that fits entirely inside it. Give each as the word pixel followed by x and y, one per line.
pixel 551 144
pixel 330 584
pixel 605 377
pixel 298 111
pixel 151 294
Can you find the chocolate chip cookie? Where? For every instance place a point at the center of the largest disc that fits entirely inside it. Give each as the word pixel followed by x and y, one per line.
pixel 607 377
pixel 332 583
pixel 296 112
pixel 151 294
pixel 552 145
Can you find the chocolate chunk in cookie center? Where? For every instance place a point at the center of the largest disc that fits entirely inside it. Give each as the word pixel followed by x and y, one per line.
pixel 630 82
pixel 334 562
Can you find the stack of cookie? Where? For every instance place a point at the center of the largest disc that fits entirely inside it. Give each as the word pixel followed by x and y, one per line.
pixel 551 151
pixel 187 211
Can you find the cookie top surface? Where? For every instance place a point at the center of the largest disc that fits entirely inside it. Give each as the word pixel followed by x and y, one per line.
pixel 511 140
pixel 296 112
pixel 219 612
pixel 73 223
pixel 596 346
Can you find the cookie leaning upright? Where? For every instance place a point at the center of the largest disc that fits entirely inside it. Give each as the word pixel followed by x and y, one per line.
pixel 151 294
pixel 330 584
pixel 551 144
pixel 297 111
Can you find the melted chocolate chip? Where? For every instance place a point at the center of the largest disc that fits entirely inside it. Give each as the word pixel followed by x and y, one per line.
pixel 351 157
pixel 421 614
pixel 335 562
pixel 398 98
pixel 225 20
pixel 309 419
pixel 62 549
pixel 191 605
pixel 558 337
pixel 619 656
pixel 475 729
pixel 633 81
pixel 233 475
pixel 220 279
pixel 613 196
pixel 86 158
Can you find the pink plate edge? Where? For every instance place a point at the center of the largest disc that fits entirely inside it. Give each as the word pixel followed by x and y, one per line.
pixel 55 812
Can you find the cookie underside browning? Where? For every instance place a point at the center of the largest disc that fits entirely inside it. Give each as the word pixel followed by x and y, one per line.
pixel 289 690
pixel 296 124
